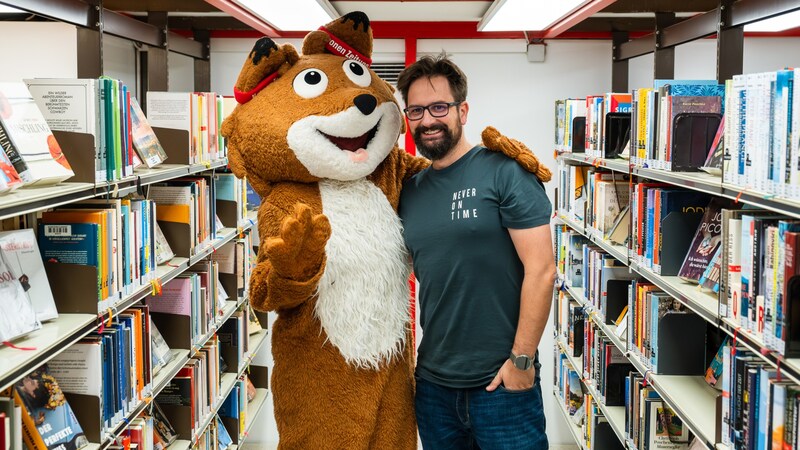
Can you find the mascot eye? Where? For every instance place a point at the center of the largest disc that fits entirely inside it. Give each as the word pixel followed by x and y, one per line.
pixel 357 72
pixel 310 83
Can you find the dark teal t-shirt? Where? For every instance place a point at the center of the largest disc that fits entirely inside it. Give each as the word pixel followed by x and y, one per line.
pixel 455 224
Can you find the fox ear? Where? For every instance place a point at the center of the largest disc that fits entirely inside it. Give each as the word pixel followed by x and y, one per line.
pixel 352 30
pixel 265 62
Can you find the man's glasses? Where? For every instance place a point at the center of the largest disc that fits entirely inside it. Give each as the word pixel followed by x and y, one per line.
pixel 438 109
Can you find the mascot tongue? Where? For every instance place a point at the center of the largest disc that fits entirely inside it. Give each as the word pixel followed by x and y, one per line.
pixel 356 145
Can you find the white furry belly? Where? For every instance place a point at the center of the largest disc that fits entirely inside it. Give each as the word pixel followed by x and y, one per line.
pixel 363 302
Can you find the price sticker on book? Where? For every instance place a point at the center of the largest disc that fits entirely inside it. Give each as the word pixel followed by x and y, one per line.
pixel 57 230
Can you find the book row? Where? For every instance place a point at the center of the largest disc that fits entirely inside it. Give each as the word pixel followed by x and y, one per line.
pixel 649 423
pixel 107 249
pixel 93 130
pixel 745 258
pixel 741 130
pixel 88 390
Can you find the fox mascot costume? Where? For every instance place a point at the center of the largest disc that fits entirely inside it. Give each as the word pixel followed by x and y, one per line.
pixel 316 135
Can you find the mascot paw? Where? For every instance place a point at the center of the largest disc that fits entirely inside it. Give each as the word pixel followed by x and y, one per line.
pixel 299 252
pixel 516 150
pixel 258 286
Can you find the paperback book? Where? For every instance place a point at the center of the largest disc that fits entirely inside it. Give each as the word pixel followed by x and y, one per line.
pixel 24 264
pixel 48 420
pixel 144 138
pixel 704 244
pixel 27 139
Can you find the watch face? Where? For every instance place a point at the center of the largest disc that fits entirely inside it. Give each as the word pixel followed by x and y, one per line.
pixel 522 362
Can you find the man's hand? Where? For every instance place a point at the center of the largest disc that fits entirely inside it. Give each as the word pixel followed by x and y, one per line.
pixel 512 378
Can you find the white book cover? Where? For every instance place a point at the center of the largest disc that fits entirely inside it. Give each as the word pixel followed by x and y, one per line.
pixel 170 110
pixel 79 368
pixel 164 252
pixel 71 104
pixel 19 316
pixel 31 137
pixel 734 269
pixel 25 264
pixel 160 351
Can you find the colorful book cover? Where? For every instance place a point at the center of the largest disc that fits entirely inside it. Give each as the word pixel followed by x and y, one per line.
pixel 714 370
pixel 49 416
pixel 29 137
pixel 617 102
pixel 70 243
pixel 716 153
pixel 144 138
pixel 24 263
pixel 690 87
pixel 223 438
pixel 704 244
pixel 710 278
pixel 9 178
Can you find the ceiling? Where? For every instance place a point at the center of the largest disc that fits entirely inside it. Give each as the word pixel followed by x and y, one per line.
pixel 453 18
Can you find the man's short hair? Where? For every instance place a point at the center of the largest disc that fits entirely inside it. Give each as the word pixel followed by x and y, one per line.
pixel 431 66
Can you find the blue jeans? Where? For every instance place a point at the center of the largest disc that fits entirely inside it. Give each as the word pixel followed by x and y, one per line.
pixel 469 419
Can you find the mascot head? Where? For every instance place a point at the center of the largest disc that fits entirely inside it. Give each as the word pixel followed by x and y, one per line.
pixel 320 115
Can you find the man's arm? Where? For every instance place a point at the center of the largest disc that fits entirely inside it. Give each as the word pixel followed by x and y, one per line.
pixel 535 249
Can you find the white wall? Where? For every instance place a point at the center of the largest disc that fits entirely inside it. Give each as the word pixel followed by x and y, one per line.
pixel 38 49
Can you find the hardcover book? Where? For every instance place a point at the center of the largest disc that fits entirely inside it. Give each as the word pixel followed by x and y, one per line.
pixel 48 420
pixel 24 263
pixel 27 139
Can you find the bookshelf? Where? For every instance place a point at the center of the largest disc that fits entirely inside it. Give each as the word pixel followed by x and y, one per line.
pixel 58 335
pixel 698 405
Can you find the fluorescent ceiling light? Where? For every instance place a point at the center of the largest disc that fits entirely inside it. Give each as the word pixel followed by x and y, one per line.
pixel 295 15
pixel 519 15
pixel 9 10
pixel 777 23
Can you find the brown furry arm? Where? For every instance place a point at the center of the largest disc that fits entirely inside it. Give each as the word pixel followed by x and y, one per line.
pixel 516 150
pixel 291 261
pixel 411 165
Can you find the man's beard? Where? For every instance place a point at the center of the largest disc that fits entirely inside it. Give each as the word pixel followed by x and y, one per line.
pixel 438 149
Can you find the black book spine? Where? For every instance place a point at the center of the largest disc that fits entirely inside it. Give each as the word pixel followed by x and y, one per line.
pixel 11 151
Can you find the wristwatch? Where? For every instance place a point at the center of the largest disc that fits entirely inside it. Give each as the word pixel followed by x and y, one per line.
pixel 521 362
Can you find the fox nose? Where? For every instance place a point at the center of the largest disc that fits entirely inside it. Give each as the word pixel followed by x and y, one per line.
pixel 365 103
